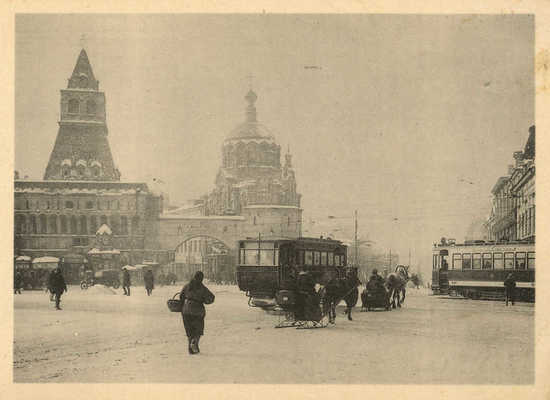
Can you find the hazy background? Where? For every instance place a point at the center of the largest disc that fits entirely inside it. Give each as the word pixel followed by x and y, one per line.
pixel 408 119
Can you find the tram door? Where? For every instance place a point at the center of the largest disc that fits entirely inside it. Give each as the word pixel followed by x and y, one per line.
pixel 285 263
pixel 443 271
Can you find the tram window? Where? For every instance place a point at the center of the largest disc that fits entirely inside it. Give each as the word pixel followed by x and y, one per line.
pixel 531 260
pixel 308 258
pixel 498 264
pixel 251 257
pixel 457 261
pixel 337 259
pixel 508 260
pixel 330 258
pixel 466 261
pixel 520 260
pixel 267 257
pixel 487 261
pixel 477 261
pixel 300 260
pixel 434 263
pixel 317 258
pixel 324 258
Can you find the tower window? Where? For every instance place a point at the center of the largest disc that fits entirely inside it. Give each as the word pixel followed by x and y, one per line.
pixel 74 106
pixel 90 107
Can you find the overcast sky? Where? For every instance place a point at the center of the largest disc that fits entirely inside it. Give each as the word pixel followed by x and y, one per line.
pixel 408 119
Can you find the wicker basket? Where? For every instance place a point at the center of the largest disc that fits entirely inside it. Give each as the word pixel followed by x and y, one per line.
pixel 175 305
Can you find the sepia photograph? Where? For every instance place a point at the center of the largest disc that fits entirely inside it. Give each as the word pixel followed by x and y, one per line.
pixel 274 199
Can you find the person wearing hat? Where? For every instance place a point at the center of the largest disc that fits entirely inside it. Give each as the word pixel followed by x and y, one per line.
pixel 194 296
pixel 126 282
pixel 510 288
pixel 57 286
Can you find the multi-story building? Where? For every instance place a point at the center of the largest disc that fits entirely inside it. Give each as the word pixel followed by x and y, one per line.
pixel 81 191
pixel 513 213
pixel 523 187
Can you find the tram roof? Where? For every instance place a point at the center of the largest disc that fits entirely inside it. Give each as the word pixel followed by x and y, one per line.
pixel 486 243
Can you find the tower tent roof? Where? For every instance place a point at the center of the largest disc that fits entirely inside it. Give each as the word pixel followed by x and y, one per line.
pixel 83 76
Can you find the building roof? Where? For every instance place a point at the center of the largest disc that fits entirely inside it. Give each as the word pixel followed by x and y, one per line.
pixel 529 150
pixel 499 184
pixel 82 69
pixel 251 128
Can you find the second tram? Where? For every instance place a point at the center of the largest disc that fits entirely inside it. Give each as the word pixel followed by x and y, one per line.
pixel 478 269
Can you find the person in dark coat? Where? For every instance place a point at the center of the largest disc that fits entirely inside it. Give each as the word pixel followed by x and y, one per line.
pixel 149 280
pixel 510 288
pixel 194 296
pixel 17 282
pixel 57 286
pixel 126 282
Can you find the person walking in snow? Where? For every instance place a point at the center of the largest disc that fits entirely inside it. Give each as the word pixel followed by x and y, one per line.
pixel 194 296
pixel 57 286
pixel 126 282
pixel 510 288
pixel 149 281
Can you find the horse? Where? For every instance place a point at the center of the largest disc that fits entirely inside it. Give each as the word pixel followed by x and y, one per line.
pixel 336 290
pixel 396 282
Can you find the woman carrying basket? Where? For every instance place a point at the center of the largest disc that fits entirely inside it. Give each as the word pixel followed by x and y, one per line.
pixel 193 296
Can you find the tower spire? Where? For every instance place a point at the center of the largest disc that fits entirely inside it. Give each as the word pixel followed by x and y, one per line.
pixel 251 108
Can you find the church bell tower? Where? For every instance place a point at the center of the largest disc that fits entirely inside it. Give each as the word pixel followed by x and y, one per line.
pixel 81 150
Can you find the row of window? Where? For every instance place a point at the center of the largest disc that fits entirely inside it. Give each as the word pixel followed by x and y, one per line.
pixel 322 258
pixel 74 107
pixel 74 204
pixel 83 225
pixel 526 223
pixel 507 260
pixel 270 257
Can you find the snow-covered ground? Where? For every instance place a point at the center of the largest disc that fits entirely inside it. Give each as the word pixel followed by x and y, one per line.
pixel 103 336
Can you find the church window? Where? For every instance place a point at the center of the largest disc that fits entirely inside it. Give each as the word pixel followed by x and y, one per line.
pixel 63 224
pixel 254 220
pixel 103 220
pixel 115 224
pixel 95 171
pixel 83 225
pixel 65 171
pixel 93 224
pixel 43 224
pixel 89 205
pixel 20 223
pixel 135 224
pixel 83 82
pixel 74 106
pixel 69 204
pixel 90 107
pixel 33 224
pixel 123 225
pixel 53 223
pixel 73 225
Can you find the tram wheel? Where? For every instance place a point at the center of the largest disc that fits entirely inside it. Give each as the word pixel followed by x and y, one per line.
pixel 83 285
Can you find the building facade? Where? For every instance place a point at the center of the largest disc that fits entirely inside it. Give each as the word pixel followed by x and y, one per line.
pixel 81 191
pixel 513 210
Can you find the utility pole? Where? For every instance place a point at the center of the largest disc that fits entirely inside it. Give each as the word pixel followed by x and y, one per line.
pixel 409 257
pixel 389 266
pixel 356 244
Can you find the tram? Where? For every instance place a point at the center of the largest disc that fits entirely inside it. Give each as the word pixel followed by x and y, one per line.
pixel 477 269
pixel 268 267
